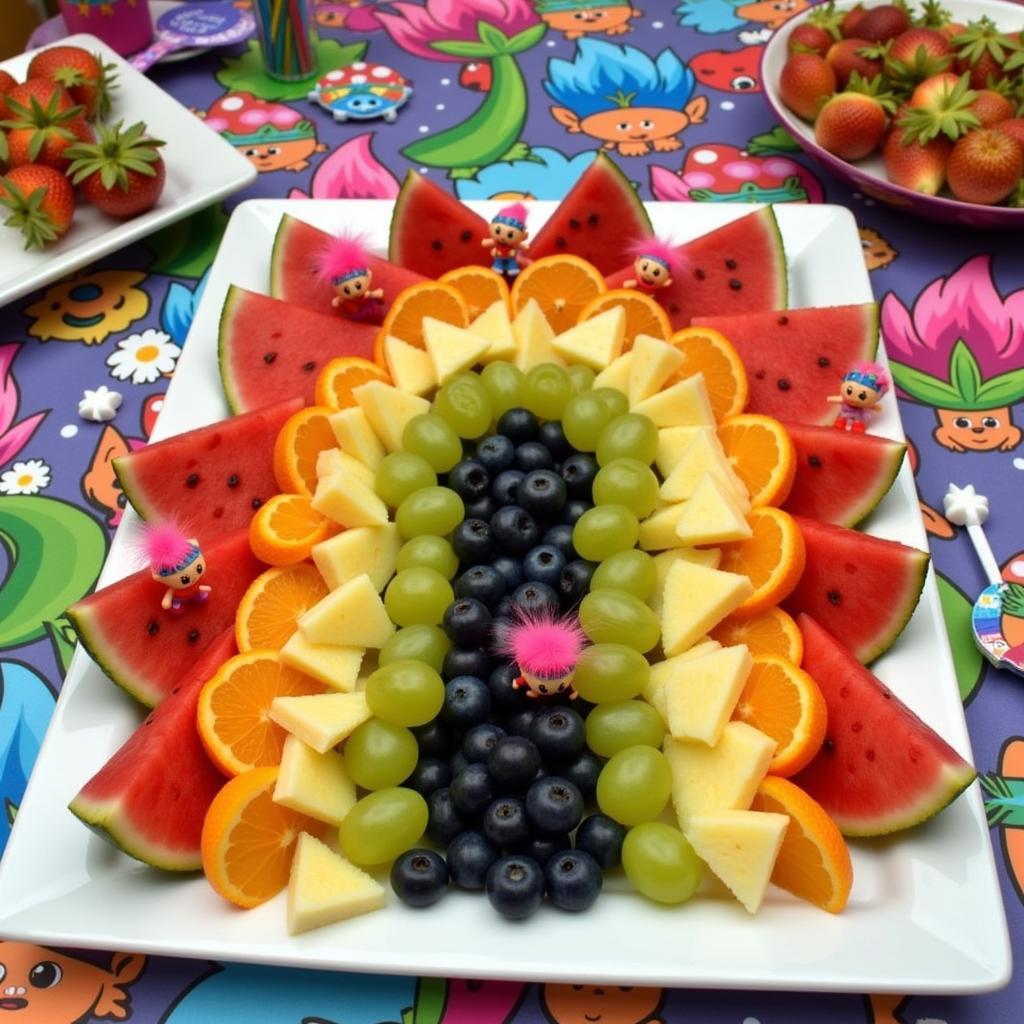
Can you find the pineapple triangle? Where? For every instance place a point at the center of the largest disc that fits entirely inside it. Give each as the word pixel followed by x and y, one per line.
pixel 321 720
pixel 654 362
pixel 595 342
pixel 701 692
pixel 351 616
pixel 711 516
pixel 410 368
pixel 494 325
pixel 336 667
pixel 616 374
pixel 356 436
pixel 388 409
pixel 533 336
pixel 696 599
pixel 704 454
pixel 452 349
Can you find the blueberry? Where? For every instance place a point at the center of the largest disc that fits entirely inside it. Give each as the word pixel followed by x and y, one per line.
pixel 480 508
pixel 578 472
pixel 519 722
pixel 472 542
pixel 515 887
pixel 552 436
pixel 536 599
pixel 473 790
pixel 560 536
pixel 573 880
pixel 514 762
pixel 444 822
pixel 458 763
pixel 419 877
pixel 574 582
pixel 543 564
pixel 553 805
pixel 479 741
pixel 542 493
pixel 559 734
pixel 514 530
pixel 505 823
pixel 429 774
pixel 511 571
pixel 582 772
pixel 433 739
pixel 495 453
pixel 467 622
pixel 469 480
pixel 500 626
pixel 532 456
pixel 518 425
pixel 466 661
pixel 543 848
pixel 602 838
pixel 573 509
pixel 470 857
pixel 505 608
pixel 504 696
pixel 482 582
pixel 467 702
pixel 505 486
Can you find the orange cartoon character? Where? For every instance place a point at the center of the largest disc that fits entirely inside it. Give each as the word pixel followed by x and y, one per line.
pixel 46 986
pixel 602 1004
pixel 575 18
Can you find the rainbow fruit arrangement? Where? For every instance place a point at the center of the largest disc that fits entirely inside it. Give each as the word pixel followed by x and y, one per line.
pixel 563 446
pixel 51 141
pixel 942 100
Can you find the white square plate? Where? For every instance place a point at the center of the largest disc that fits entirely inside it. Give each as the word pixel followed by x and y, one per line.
pixel 925 913
pixel 201 168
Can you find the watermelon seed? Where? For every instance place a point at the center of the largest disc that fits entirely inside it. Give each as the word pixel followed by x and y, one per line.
pixel 857 726
pixel 269 357
pixel 193 635
pixel 218 512
pixel 233 480
pixel 834 597
pixel 152 627
pixel 256 502
pixel 466 236
pixel 829 745
pixel 844 692
pixel 699 274
pixel 192 480
pixel 824 361
pixel 783 320
pixel 436 245
pixel 814 461
pixel 730 264
pixel 309 367
pixel 673 309
pixel 735 284
pixel 869 754
pixel 913 753
pixel 593 219
pixel 784 384
pixel 760 375
pixel 561 242
pixel 575 224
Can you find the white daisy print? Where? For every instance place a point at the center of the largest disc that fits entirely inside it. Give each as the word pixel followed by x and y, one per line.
pixel 144 358
pixel 25 478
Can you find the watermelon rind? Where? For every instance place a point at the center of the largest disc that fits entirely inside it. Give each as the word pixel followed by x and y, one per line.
pixel 234 296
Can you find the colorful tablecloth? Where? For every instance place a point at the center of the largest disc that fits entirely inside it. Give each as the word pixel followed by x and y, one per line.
pixel 537 89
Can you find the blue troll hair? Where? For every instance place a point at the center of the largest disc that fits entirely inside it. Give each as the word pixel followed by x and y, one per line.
pixel 604 76
pixel 710 16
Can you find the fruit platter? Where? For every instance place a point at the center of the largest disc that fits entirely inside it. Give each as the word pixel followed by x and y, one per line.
pixel 923 114
pixel 351 665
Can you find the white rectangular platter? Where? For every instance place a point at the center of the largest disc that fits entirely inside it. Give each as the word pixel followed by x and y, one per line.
pixel 925 914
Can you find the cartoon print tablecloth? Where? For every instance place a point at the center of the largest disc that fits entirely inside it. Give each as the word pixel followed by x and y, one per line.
pixel 511 98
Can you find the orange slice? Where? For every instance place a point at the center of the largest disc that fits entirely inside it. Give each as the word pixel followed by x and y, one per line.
pixel 708 352
pixel 643 314
pixel 762 454
pixel 785 703
pixel 405 317
pixel 341 376
pixel 481 287
pixel 301 440
pixel 561 284
pixel 248 840
pixel 771 632
pixel 234 706
pixel 814 862
pixel 271 606
pixel 285 529
pixel 772 557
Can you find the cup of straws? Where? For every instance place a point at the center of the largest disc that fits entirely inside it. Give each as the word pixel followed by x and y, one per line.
pixel 287 36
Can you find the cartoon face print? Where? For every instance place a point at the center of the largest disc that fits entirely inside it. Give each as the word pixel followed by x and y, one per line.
pixel 983 430
pixel 859 395
pixel 772 13
pixel 612 20
pixel 48 987
pixel 635 131
pixel 601 1004
pixel 736 71
pixel 878 253
pixel 89 307
pixel 291 155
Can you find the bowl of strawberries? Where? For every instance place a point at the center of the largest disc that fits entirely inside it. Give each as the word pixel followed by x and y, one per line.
pixel 920 107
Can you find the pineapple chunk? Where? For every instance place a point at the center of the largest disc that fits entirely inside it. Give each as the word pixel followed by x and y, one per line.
pixel 595 342
pixel 364 549
pixel 616 374
pixel 711 515
pixel 703 455
pixel 707 779
pixel 325 888
pixel 410 368
pixel 701 694
pixel 321 720
pixel 654 362
pixel 336 667
pixel 665 560
pixel 533 336
pixel 388 409
pixel 335 462
pixel 452 349
pixel 351 616
pixel 356 437
pixel 672 445
pixel 349 502
pixel 695 600
pixel 741 848
pixel 662 671
pixel 684 404
pixel 494 325
pixel 313 783
pixel 658 530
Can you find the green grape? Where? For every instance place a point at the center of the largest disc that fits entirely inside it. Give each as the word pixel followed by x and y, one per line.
pixel 546 390
pixel 504 383
pixel 603 530
pixel 383 825
pixel 616 617
pixel 634 786
pixel 610 672
pixel 626 723
pixel 380 754
pixel 627 482
pixel 463 403
pixel 615 400
pixel 430 436
pixel 660 863
pixel 418 597
pixel 628 437
pixel 632 571
pixel 582 377
pixel 405 693
pixel 400 474
pixel 585 417
pixel 429 552
pixel 436 510
pixel 428 644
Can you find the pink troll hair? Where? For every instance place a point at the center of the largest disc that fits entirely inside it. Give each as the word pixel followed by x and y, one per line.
pixel 659 249
pixel 344 254
pixel 880 374
pixel 514 211
pixel 164 546
pixel 544 645
pixel 351 172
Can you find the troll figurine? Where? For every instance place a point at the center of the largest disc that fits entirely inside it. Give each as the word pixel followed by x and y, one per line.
pixel 508 238
pixel 546 649
pixel 344 262
pixel 655 263
pixel 176 561
pixel 862 389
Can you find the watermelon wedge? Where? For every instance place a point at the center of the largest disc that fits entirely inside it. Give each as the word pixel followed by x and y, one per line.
pixel 880 769
pixel 270 350
pixel 796 358
pixel 150 798
pixel 432 232
pixel 737 268
pixel 599 219
pixel 210 480
pixel 862 589
pixel 840 476
pixel 143 648
pixel 294 276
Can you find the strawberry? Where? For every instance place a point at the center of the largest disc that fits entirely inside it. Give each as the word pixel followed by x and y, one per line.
pixel 952 29
pixel 82 73
pixel 806 81
pixel 917 54
pixel 122 173
pixel 940 106
pixel 984 167
pixel 982 50
pixel 845 56
pixel 807 38
pixel 7 83
pixel 41 201
pixel 40 135
pixel 884 22
pixel 1014 127
pixel 850 125
pixel 921 168
pixel 933 90
pixel 990 108
pixel 43 92
pixel 853 18
pixel 933 15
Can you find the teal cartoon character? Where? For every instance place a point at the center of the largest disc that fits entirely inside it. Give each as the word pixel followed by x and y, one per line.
pixel 577 18
pixel 622 97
